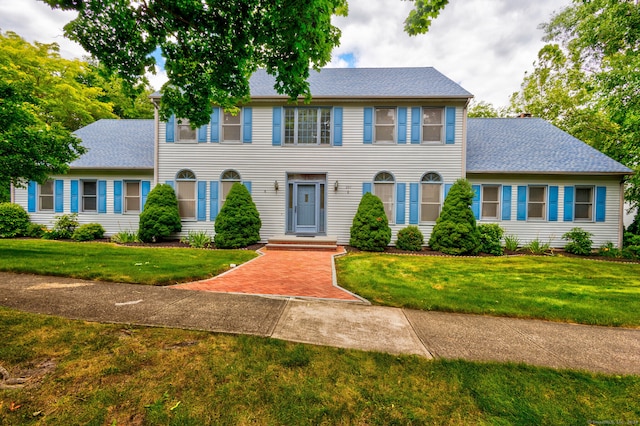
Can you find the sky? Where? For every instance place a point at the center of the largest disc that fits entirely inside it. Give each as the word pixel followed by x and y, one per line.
pixel 486 46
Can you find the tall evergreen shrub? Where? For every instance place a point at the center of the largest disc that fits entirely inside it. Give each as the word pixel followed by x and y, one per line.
pixel 238 223
pixel 370 229
pixel 160 216
pixel 455 231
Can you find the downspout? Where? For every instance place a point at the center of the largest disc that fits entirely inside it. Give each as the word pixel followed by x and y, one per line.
pixel 621 216
pixel 156 142
pixel 464 139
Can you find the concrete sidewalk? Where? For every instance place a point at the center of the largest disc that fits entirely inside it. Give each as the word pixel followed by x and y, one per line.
pixel 340 324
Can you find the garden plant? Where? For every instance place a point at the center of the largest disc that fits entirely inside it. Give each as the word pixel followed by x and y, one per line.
pixel 370 229
pixel 238 223
pixel 161 215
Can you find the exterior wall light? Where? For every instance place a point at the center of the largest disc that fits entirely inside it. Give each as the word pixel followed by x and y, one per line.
pixel 335 186
pixel 275 186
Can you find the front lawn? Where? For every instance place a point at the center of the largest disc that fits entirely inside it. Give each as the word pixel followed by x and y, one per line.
pixel 553 288
pixel 110 262
pixel 104 374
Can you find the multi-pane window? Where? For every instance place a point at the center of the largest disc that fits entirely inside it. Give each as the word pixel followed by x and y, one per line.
pixel 45 198
pixel 490 201
pixel 536 207
pixel 186 193
pixel 385 125
pixel 432 124
pixel 383 188
pixel 184 131
pixel 228 178
pixel 430 203
pixel 584 203
pixel 132 196
pixel 307 126
pixel 89 196
pixel 231 125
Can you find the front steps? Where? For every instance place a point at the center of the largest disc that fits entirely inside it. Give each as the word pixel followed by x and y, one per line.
pixel 294 242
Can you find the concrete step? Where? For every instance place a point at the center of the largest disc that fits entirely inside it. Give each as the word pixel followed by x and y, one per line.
pixel 314 247
pixel 294 242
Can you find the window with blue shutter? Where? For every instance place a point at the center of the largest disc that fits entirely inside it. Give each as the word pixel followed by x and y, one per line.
pixel 276 136
pixel 402 125
pixel 202 133
pixel 366 187
pixel 601 203
pixel 450 122
pixel 146 187
pixel 401 203
pixel 475 203
pixel 32 190
pixel 202 200
pixel 506 202
pixel 215 124
pixel 247 184
pixel 368 125
pixel 117 196
pixel 170 130
pixel 171 184
pixel 337 126
pixel 247 123
pixel 213 201
pixel 415 124
pixel 59 196
pixel 553 203
pixel 414 206
pixel 74 196
pixel 102 196
pixel 568 203
pixel 522 203
pixel 447 187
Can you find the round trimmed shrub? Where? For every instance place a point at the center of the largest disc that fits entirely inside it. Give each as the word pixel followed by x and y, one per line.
pixel 160 216
pixel 88 232
pixel 370 229
pixel 455 231
pixel 238 223
pixel 14 220
pixel 410 238
pixel 491 238
pixel 579 241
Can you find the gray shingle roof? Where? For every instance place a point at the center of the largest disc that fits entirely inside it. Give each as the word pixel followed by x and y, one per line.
pixel 530 145
pixel 116 144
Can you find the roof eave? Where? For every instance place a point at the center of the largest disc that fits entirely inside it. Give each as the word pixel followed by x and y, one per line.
pixel 549 172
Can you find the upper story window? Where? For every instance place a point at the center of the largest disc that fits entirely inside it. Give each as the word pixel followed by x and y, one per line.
pixel 45 196
pixel 89 196
pixel 307 126
pixel 383 188
pixel 385 125
pixel 131 196
pixel 490 201
pixel 186 193
pixel 432 124
pixel 430 201
pixel 584 203
pixel 537 203
pixel 184 132
pixel 231 127
pixel 228 178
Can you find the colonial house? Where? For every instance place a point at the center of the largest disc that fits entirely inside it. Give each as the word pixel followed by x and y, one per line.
pixel 400 133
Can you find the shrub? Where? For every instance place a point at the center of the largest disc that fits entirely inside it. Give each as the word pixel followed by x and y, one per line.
pixel 124 237
pixel 238 223
pixel 609 250
pixel 538 247
pixel 634 228
pixel 579 241
pixel 197 239
pixel 631 249
pixel 88 232
pixel 160 216
pixel 63 227
pixel 455 231
pixel 491 238
pixel 14 220
pixel 370 229
pixel 511 242
pixel 35 230
pixel 410 238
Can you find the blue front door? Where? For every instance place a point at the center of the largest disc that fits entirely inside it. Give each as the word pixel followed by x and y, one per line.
pixel 306 212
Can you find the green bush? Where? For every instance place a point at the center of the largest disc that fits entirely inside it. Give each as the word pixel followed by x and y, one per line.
pixel 608 249
pixel 491 238
pixel 538 247
pixel 63 227
pixel 238 223
pixel 124 237
pixel 197 239
pixel 161 216
pixel 631 247
pixel 88 232
pixel 370 229
pixel 579 241
pixel 14 220
pixel 410 238
pixel 455 231
pixel 511 242
pixel 35 230
pixel 634 228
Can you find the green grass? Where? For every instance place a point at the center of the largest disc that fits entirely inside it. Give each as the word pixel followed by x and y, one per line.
pixel 553 288
pixel 107 374
pixel 110 262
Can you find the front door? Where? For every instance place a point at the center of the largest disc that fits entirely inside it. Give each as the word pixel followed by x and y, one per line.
pixel 306 212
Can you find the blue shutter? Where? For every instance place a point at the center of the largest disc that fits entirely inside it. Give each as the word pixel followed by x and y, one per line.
pixel 415 125
pixel 170 183
pixel 368 125
pixel 213 202
pixel 170 131
pixel 102 196
pixel 447 187
pixel 247 122
pixel 59 196
pixel 146 187
pixel 32 190
pixel 215 124
pixel 553 203
pixel 402 125
pixel 247 184
pixel 202 200
pixel 475 203
pixel 337 126
pixel 401 202
pixel 414 189
pixel 117 196
pixel 568 203
pixel 506 202
pixel 366 187
pixel 522 203
pixel 450 125
pixel 74 196
pixel 276 137
pixel 202 133
pixel 601 203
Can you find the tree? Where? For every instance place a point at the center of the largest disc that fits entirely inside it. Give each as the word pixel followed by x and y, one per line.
pixel 370 229
pixel 484 109
pixel 238 223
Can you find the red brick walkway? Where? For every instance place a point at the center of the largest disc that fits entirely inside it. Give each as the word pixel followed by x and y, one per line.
pixel 282 273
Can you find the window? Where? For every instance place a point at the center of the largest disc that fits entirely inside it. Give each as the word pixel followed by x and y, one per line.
pixel 231 127
pixel 490 201
pixel 432 124
pixel 229 177
pixel 45 199
pixel 186 193
pixel 89 196
pixel 383 185
pixel 307 126
pixel 430 203
pixel 184 131
pixel 131 196
pixel 385 125
pixel 536 207
pixel 584 203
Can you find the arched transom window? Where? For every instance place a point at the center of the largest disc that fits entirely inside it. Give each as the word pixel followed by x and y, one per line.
pixel 383 188
pixel 186 193
pixel 431 199
pixel 228 178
